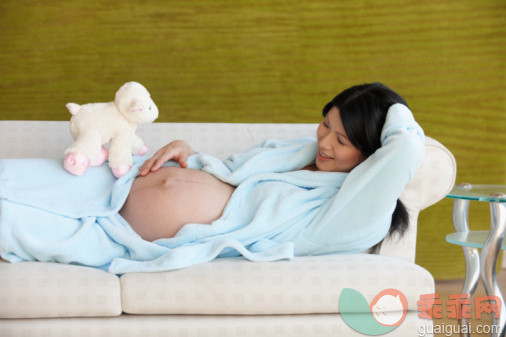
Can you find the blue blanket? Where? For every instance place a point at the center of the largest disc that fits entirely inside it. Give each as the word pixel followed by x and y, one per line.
pixel 277 211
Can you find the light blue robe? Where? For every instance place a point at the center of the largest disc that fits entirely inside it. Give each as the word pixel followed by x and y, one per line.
pixel 276 212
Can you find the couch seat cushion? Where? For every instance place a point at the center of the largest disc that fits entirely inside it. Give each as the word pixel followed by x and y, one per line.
pixel 305 285
pixel 41 289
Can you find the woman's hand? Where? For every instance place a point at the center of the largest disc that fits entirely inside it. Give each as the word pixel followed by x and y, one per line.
pixel 178 150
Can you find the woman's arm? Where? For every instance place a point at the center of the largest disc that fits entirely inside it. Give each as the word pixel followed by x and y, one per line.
pixel 359 215
pixel 178 150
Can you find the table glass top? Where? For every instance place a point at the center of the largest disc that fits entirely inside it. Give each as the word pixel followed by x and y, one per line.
pixel 491 193
pixel 475 239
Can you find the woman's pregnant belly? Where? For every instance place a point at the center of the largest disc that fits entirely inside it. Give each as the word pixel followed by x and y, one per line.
pixel 162 202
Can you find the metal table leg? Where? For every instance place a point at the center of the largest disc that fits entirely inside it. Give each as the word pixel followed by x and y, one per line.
pixel 488 260
pixel 460 222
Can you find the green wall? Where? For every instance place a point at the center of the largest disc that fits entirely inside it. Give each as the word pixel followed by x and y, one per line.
pixel 275 61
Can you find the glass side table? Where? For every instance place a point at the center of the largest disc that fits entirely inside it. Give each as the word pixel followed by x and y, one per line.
pixel 491 242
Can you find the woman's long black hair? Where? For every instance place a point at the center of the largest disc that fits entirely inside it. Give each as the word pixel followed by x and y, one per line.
pixel 363 110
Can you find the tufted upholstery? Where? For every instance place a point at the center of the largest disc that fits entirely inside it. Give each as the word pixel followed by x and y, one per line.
pixel 302 294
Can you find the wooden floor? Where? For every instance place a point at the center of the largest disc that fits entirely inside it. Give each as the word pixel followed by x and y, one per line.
pixel 448 287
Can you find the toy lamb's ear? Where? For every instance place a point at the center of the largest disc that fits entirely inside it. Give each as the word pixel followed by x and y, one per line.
pixel 135 106
pixel 73 108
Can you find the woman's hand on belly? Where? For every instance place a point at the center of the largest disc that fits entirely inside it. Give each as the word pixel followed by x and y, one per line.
pixel 178 150
pixel 162 202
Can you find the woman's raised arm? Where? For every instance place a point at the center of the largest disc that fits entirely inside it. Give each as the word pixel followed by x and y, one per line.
pixel 359 215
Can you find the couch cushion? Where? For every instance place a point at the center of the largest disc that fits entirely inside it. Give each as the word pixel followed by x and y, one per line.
pixel 310 284
pixel 40 289
pixel 49 139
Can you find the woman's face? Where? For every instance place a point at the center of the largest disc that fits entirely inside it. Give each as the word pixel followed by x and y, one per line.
pixel 335 151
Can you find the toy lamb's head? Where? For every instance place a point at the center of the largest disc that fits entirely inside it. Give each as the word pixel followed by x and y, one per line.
pixel 135 103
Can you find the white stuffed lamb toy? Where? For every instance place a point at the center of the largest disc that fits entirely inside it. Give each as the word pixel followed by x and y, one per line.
pixel 95 124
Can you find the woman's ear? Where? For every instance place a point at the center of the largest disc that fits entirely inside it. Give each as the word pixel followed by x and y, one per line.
pixel 363 157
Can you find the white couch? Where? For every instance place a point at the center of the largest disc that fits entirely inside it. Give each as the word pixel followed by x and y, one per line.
pixel 226 297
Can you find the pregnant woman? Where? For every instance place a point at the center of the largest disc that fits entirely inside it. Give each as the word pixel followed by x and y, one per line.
pixel 337 193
